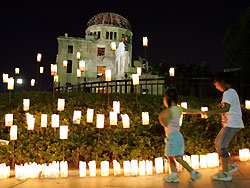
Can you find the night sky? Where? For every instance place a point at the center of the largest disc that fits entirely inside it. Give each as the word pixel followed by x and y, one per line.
pixel 178 31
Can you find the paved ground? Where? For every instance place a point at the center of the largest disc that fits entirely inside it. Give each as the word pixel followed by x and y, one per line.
pixel 241 179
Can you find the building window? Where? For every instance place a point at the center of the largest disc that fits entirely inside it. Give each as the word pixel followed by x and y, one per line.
pixel 111 35
pixel 115 36
pixel 99 35
pixel 101 72
pixel 122 37
pixel 69 66
pixel 70 49
pixel 107 35
pixel 101 52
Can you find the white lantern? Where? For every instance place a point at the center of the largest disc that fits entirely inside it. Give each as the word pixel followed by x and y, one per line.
pixel 138 71
pixel 17 70
pixel 77 117
pixel 13 132
pixel 63 132
pixel 126 168
pixel 44 120
pixel 11 83
pixel 41 70
pixel 195 161
pixel 212 160
pixel 108 75
pixel 116 106
pixel 125 121
pixel 134 168
pixel 247 104
pixel 19 80
pixel 187 159
pixel 100 121
pixel 145 118
pixel 30 121
pixel 149 167
pixel 145 41
pixel 82 65
pixel 26 104
pixel 78 73
pixel 32 82
pixel 90 115
pixel 104 168
pixel 204 109
pixel 78 55
pixel 117 168
pixel 5 78
pixel 203 161
pixel 92 168
pixel 159 165
pixel 171 71
pixel 64 169
pixel 113 118
pixel 135 78
pixel 4 171
pixel 184 105
pixel 39 57
pixel 244 154
pixel 56 78
pixel 60 104
pixel 8 120
pixel 53 69
pixel 142 167
pixel 65 63
pixel 82 169
pixel 113 46
pixel 55 120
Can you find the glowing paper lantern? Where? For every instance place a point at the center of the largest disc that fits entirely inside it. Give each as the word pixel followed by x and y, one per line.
pixel 56 78
pixel 30 121
pixel 5 78
pixel 113 118
pixel 159 165
pixel 187 159
pixel 134 168
pixel 116 106
pixel 41 70
pixel 117 168
pixel 39 57
pixel 145 118
pixel 53 69
pixel 55 120
pixel 82 169
pixel 135 78
pixel 126 168
pixel 212 160
pixel 77 117
pixel 65 63
pixel 4 171
pixel 78 73
pixel 138 71
pixel 108 75
pixel 90 115
pixel 247 104
pixel 17 70
pixel 125 121
pixel 113 46
pixel 244 154
pixel 145 41
pixel 78 55
pixel 26 104
pixel 60 104
pixel 44 120
pixel 64 169
pixel 142 168
pixel 203 161
pixel 92 168
pixel 11 83
pixel 82 65
pixel 104 168
pixel 149 167
pixel 32 82
pixel 63 132
pixel 100 121
pixel 195 161
pixel 184 105
pixel 13 132
pixel 8 120
pixel 171 71
pixel 204 109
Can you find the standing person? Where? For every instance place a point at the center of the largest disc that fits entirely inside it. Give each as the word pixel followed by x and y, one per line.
pixel 174 150
pixel 231 118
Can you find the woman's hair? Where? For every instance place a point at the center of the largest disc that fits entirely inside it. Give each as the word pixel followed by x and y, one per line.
pixel 172 95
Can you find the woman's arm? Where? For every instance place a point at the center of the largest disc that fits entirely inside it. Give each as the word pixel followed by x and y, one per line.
pixel 224 107
pixel 191 111
pixel 164 117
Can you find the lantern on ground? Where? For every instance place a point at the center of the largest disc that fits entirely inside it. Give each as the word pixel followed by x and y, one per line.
pixel 212 159
pixel 78 73
pixel 113 118
pixel 55 120
pixel 203 161
pixel 30 122
pixel 145 118
pixel 11 83
pixel 82 65
pixel 39 57
pixel 159 165
pixel 8 120
pixel 26 104
pixel 195 161
pixel 244 154
pixel 53 69
pixel 92 168
pixel 82 169
pixel 65 63
pixel 204 109
pixel 77 117
pixel 108 75
pixel 138 71
pixel 13 132
pixel 247 104
pixel 113 46
pixel 41 70
pixel 5 78
pixel 17 70
pixel 171 72
pixel 187 159
pixel 90 115
pixel 135 78
pixel 100 121
pixel 134 168
pixel 78 55
pixel 117 168
pixel 64 169
pixel 32 82
pixel 104 168
pixel 149 167
pixel 44 120
pixel 125 121
pixel 116 106
pixel 56 78
pixel 142 167
pixel 60 104
pixel 63 132
pixel 184 105
pixel 145 41
pixel 126 168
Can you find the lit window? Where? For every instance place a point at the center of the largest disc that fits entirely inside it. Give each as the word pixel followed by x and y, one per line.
pixel 101 52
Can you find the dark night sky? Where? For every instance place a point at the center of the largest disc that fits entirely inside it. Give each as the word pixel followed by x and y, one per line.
pixel 178 31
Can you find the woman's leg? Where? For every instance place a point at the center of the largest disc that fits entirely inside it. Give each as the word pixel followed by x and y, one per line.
pixel 172 164
pixel 184 163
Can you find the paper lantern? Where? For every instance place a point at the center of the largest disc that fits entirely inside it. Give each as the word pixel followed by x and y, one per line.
pixel 90 115
pixel 4 171
pixel 41 70
pixel 10 83
pixel 17 70
pixel 65 63
pixel 126 168
pixel 60 104
pixel 108 75
pixel 100 121
pixel 247 104
pixel 19 80
pixel 44 120
pixel 78 73
pixel 64 169
pixel 195 161
pixel 39 57
pixel 78 55
pixel 145 118
pixel 113 46
pixel 82 65
pixel 113 118
pixel 138 69
pixel 56 78
pixel 134 168
pixel 26 104
pixel 142 167
pixel 187 159
pixel 116 106
pixel 53 69
pixel 8 120
pixel 244 154
pixel 117 168
pixel 159 165
pixel 203 161
pixel 204 109
pixel 145 41
pixel 135 78
pixel 32 82
pixel 13 132
pixel 82 169
pixel 63 132
pixel 212 160
pixel 77 117
pixel 184 105
pixel 5 78
pixel 30 122
pixel 55 120
pixel 104 168
pixel 92 168
pixel 125 121
pixel 171 72
pixel 149 167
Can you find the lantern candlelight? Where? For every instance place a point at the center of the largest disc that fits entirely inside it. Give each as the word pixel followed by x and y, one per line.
pixel 30 121
pixel 145 41
pixel 126 168
pixel 78 55
pixel 78 73
pixel 104 168
pixel 63 132
pixel 17 70
pixel 65 63
pixel 113 46
pixel 135 78
pixel 82 169
pixel 171 72
pixel 108 75
pixel 159 165
pixel 117 168
pixel 26 104
pixel 212 160
pixel 92 168
pixel 64 169
pixel 184 105
pixel 134 168
pixel 32 82
pixel 204 109
pixel 113 118
pixel 203 161
pixel 39 57
pixel 145 118
pixel 244 154
pixel 41 70
pixel 90 115
pixel 195 161
pixel 125 121
pixel 138 71
pixel 8 120
pixel 60 104
pixel 77 117
pixel 53 69
pixel 82 65
pixel 116 106
pixel 100 121
pixel 55 120
pixel 13 132
pixel 149 167
pixel 44 120
pixel 142 167
pixel 5 78
pixel 11 83
pixel 247 104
